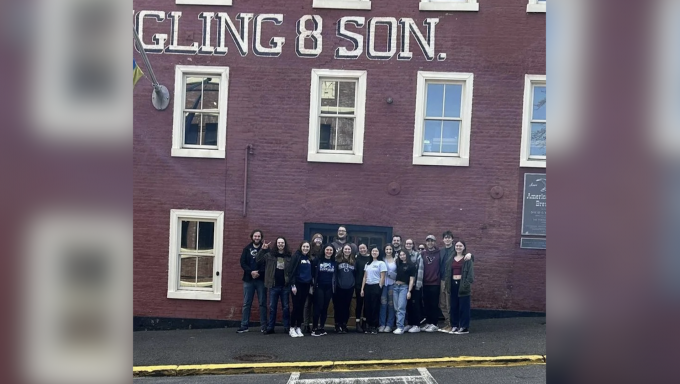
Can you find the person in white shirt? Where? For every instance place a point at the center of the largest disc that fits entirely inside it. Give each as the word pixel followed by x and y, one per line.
pixel 371 288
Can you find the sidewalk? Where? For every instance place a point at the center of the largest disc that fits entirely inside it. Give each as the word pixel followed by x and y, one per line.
pixel 516 337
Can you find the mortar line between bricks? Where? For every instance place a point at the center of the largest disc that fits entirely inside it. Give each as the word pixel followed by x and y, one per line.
pixel 327 366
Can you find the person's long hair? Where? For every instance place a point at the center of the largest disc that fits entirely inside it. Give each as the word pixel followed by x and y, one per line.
pixel 465 251
pixel 340 258
pixel 286 250
pixel 408 258
pixel 303 243
pixel 385 252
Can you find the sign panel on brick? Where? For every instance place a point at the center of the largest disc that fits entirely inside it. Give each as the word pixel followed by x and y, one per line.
pixel 534 210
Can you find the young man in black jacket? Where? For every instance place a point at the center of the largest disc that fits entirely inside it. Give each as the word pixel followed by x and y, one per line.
pixel 253 280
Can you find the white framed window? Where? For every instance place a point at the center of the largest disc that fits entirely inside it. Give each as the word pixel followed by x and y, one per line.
pixel 449 5
pixel 342 4
pixel 203 2
pixel 443 116
pixel 199 127
pixel 533 148
pixel 336 116
pixel 536 6
pixel 195 262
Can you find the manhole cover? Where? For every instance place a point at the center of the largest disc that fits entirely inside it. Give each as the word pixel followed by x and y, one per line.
pixel 254 357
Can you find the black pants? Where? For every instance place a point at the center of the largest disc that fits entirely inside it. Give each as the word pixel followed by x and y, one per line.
pixel 359 310
pixel 299 305
pixel 322 297
pixel 431 299
pixel 342 299
pixel 372 293
pixel 413 306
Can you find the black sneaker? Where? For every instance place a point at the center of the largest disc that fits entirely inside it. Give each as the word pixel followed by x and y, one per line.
pixel 462 331
pixel 269 331
pixel 318 332
pixel 323 331
pixel 242 330
pixel 338 329
pixel 374 331
pixel 343 328
pixel 263 329
pixel 359 328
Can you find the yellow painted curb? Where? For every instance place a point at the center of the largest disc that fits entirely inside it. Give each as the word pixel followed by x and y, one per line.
pixel 327 366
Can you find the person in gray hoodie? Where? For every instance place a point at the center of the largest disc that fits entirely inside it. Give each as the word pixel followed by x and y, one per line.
pixel 345 283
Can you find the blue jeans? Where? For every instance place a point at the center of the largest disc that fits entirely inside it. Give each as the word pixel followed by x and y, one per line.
pixel 387 306
pixel 399 297
pixel 459 307
pixel 274 295
pixel 249 288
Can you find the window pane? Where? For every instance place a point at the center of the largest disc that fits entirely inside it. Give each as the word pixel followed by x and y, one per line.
pixel 432 136
pixel 537 139
pixel 450 132
pixel 192 123
pixel 206 235
pixel 347 96
pixel 329 100
pixel 209 129
pixel 187 271
pixel 211 93
pixel 327 133
pixel 193 92
pixel 189 235
pixel 205 272
pixel 539 103
pixel 345 134
pixel 452 98
pixel 435 100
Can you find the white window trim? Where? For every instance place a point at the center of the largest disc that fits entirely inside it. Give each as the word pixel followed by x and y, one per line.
pixel 203 2
pixel 173 262
pixel 357 154
pixel 343 4
pixel 430 5
pixel 178 119
pixel 536 6
pixel 525 147
pixel 462 159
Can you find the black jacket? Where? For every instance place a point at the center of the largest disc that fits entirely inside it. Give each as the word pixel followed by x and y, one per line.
pixel 250 251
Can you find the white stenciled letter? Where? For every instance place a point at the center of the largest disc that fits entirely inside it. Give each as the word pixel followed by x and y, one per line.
pixel 206 47
pixel 276 43
pixel 355 38
pixel 174 44
pixel 159 39
pixel 315 34
pixel 240 37
pixel 391 24
pixel 408 27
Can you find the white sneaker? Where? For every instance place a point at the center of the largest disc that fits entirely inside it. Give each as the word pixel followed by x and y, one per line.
pixel 381 329
pixel 406 328
pixel 414 329
pixel 398 331
pixel 299 332
pixel 424 327
pixel 388 329
pixel 431 328
pixel 292 333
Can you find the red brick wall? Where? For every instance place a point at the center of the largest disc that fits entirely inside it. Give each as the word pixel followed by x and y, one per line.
pixel 269 108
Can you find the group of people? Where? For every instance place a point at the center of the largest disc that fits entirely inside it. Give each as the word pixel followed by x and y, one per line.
pixel 397 289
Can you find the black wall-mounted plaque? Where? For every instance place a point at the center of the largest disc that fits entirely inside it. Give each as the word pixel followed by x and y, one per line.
pixel 534 209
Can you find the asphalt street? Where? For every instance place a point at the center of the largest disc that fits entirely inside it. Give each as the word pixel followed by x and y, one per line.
pixel 531 374
pixel 487 337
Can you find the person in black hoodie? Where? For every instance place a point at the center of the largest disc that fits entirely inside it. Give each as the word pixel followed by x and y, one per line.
pixel 276 278
pixel 315 253
pixel 253 280
pixel 300 283
pixel 362 259
pixel 324 285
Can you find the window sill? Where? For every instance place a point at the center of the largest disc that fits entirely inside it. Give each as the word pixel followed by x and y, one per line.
pixel 536 8
pixel 203 2
pixel 441 161
pixel 205 153
pixel 335 158
pixel 525 163
pixel 463 7
pixel 194 295
pixel 342 4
